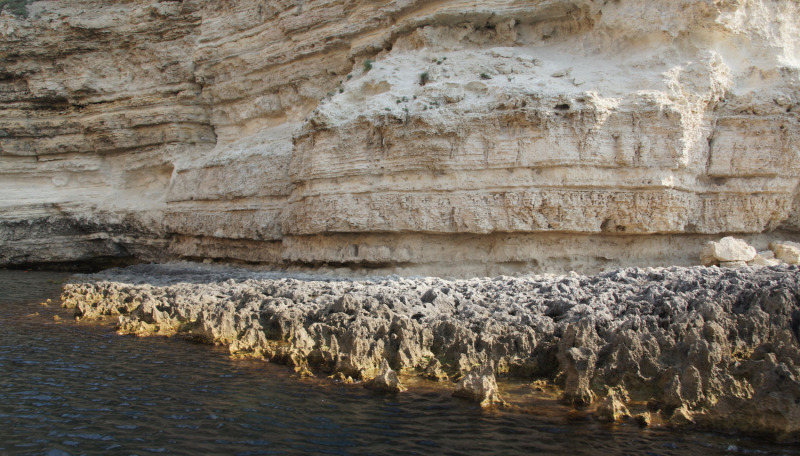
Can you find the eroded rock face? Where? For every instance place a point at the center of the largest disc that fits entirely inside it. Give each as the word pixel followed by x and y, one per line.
pixel 386 380
pixel 434 371
pixel 716 347
pixel 577 355
pixel 570 134
pixel 479 386
pixel 613 409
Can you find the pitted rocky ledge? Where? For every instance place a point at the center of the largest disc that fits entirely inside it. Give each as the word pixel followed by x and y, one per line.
pixel 712 346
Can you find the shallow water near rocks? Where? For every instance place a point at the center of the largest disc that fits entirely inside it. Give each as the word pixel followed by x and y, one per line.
pixel 79 388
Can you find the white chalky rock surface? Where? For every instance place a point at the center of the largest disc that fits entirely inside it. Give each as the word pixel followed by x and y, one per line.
pixel 548 136
pixel 787 253
pixel 727 250
pixel 760 260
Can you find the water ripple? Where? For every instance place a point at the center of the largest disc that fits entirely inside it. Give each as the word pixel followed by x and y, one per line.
pixel 68 388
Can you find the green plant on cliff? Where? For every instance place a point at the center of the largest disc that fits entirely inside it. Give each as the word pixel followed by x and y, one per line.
pixel 424 78
pixel 367 65
pixel 16 7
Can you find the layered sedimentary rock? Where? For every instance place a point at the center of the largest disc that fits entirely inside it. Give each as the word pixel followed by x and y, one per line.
pixel 714 346
pixel 513 135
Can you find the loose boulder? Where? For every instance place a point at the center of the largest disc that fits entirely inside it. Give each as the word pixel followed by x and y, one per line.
pixel 765 259
pixel 727 250
pixel 788 252
pixel 732 264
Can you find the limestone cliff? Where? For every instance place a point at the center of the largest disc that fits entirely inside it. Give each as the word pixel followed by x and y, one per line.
pixel 514 135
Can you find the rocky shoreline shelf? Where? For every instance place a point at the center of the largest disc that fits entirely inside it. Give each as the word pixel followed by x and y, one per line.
pixel 714 347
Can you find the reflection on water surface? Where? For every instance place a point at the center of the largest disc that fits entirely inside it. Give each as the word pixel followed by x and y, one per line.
pixel 78 388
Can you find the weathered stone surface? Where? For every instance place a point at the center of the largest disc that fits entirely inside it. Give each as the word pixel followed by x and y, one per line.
pixel 681 416
pixel 714 346
pixel 479 386
pixel 577 354
pixel 643 419
pixel 733 264
pixel 386 380
pixel 628 133
pixel 434 371
pixel 788 252
pixel 613 409
pixel 727 250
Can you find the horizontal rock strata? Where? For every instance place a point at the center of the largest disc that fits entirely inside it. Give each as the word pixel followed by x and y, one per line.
pixel 374 133
pixel 713 346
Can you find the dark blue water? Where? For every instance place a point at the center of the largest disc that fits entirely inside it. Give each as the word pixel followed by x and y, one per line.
pixel 79 388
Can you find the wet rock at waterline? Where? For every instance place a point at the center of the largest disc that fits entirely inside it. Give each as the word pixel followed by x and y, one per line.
pixel 643 419
pixel 386 380
pixel 577 356
pixel 434 371
pixel 614 409
pixel 713 346
pixel 479 386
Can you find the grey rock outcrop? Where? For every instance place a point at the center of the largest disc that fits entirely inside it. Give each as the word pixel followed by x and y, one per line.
pixel 713 346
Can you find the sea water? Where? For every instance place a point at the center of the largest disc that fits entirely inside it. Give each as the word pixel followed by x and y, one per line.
pixel 70 387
